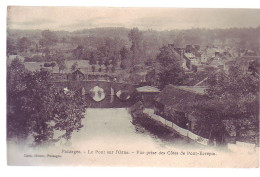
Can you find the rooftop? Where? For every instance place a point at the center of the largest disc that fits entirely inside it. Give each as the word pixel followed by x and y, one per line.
pixel 195 89
pixel 181 97
pixel 148 89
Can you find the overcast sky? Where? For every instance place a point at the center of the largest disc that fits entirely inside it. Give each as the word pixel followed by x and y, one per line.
pixel 76 18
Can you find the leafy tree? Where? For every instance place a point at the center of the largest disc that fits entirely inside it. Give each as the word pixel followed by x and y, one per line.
pixel 125 58
pixel 74 66
pixel 17 124
pixel 124 53
pixel 78 52
pixel 23 44
pixel 60 60
pixel 93 68
pixel 63 40
pixel 170 70
pixel 38 108
pixel 49 38
pixel 234 96
pixel 113 69
pixel 92 60
pixel 136 37
pixel 68 112
pixel 10 46
pixel 106 63
pixel 239 91
pixel 47 52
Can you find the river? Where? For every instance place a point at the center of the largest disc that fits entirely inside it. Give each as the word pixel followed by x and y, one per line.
pixel 110 137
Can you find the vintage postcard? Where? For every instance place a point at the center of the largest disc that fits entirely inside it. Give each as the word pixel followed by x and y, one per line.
pixel 110 86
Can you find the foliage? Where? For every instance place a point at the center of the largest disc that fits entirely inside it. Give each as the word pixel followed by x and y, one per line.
pixel 239 91
pixel 48 38
pixel 234 96
pixel 74 66
pixel 34 104
pixel 23 44
pixel 60 59
pixel 68 112
pixel 78 52
pixel 170 70
pixel 136 38
pixel 10 46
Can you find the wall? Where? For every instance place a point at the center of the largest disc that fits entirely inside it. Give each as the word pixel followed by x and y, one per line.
pixel 238 147
pixel 182 131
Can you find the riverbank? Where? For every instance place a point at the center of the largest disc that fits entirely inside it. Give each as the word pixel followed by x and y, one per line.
pixel 145 115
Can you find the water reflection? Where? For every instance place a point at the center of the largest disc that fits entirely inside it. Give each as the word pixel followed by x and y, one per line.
pixel 110 101
pixel 116 127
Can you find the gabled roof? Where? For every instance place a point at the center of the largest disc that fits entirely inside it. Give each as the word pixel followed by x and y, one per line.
pixel 36 66
pixel 181 97
pixel 81 63
pixel 148 89
pixel 10 58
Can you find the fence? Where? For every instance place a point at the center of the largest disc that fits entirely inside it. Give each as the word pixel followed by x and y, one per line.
pixel 182 131
pixel 241 147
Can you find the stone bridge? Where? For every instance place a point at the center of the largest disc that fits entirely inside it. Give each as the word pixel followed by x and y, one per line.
pixel 110 100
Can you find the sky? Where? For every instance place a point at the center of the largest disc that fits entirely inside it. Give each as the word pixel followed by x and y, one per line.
pixel 77 18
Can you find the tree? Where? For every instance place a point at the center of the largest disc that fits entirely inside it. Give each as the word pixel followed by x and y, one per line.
pixel 233 96
pixel 92 60
pixel 60 60
pixel 125 58
pixel 169 70
pixel 78 52
pixel 136 37
pixel 38 108
pixel 23 44
pixel 68 112
pixel 63 40
pixel 17 124
pixel 74 66
pixel 10 46
pixel 93 68
pixel 124 53
pixel 47 55
pixel 239 92
pixel 49 38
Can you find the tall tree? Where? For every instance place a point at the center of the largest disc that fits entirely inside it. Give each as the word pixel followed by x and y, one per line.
pixel 136 38
pixel 38 108
pixel 23 44
pixel 78 52
pixel 169 70
pixel 60 59
pixel 92 60
pixel 48 38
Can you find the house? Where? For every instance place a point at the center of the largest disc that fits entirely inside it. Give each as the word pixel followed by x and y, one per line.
pixel 77 75
pixel 148 93
pixel 83 70
pixel 52 67
pixel 10 58
pixel 175 103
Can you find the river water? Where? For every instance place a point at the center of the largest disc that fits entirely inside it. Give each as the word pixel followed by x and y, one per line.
pixel 115 127
pixel 110 137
